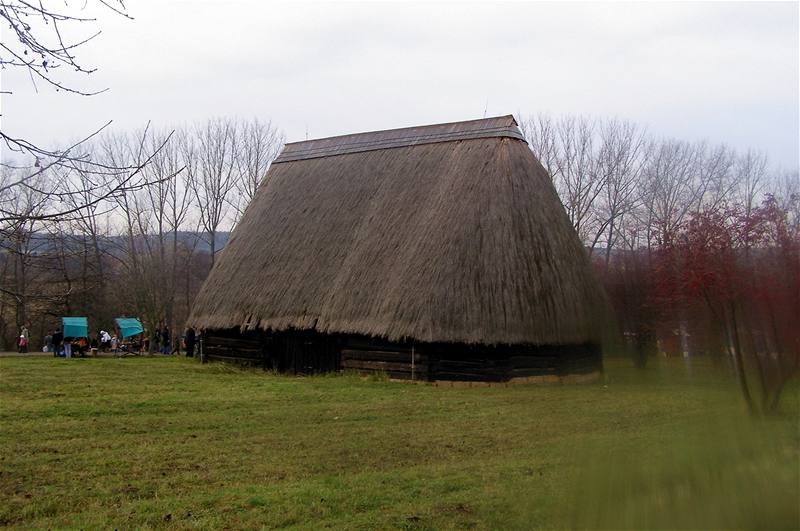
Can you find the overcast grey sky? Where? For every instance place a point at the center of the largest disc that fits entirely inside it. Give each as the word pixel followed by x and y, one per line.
pixel 726 72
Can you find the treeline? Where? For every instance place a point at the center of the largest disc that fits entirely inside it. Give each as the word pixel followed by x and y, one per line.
pixel 107 228
pixel 698 245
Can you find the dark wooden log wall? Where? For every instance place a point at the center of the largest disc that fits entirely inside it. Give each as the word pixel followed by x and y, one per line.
pixel 300 352
pixel 230 346
pixel 305 352
pixel 507 362
pixel 368 355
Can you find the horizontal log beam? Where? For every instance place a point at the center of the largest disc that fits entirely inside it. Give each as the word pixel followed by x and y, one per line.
pixel 382 355
pixel 232 342
pixel 382 366
pixel 375 345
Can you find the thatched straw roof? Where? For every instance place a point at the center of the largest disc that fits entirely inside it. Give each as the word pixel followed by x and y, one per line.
pixel 449 233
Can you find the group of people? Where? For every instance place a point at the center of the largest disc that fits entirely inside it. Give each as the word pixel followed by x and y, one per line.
pixel 104 341
pixel 108 342
pixel 162 341
pixel 65 346
pixel 161 338
pixel 54 342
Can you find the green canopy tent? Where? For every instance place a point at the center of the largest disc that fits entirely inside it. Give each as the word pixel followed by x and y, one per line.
pixel 129 326
pixel 75 327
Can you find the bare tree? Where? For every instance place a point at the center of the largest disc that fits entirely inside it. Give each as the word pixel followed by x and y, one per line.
pixel 540 130
pixel 213 179
pixel 170 203
pixel 20 242
pixel 143 217
pixel 259 144
pixel 87 228
pixel 785 188
pixel 621 158
pixel 670 189
pixel 566 149
pixel 751 173
pixel 35 43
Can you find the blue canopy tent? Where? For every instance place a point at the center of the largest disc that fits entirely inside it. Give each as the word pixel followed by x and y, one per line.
pixel 75 327
pixel 129 326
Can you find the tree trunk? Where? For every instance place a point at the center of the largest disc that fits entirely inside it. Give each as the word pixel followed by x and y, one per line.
pixel 212 243
pixel 739 362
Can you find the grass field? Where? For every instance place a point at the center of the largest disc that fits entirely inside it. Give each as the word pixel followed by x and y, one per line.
pixel 159 442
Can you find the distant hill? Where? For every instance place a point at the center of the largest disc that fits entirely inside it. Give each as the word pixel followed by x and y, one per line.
pixel 44 243
pixel 190 238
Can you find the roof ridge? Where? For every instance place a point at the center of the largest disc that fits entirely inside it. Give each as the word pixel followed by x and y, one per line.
pixel 498 126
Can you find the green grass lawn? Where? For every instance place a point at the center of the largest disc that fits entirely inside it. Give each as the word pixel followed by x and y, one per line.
pixel 158 442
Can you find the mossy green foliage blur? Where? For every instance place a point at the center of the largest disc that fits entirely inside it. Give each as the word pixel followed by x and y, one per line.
pixel 160 442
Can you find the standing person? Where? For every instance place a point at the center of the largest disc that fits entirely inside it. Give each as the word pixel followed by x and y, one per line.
pixel 22 341
pixel 105 340
pixel 177 343
pixel 57 338
pixel 165 338
pixel 82 344
pixel 67 347
pixel 190 342
pixel 48 343
pixel 155 344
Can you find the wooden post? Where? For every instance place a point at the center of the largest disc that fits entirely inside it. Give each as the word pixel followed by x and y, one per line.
pixel 413 366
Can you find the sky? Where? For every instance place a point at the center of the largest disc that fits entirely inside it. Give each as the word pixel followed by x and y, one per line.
pixel 724 72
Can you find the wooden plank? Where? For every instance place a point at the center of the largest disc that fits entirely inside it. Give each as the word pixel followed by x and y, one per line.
pixel 478 364
pixel 382 366
pixel 382 356
pixel 226 347
pixel 232 342
pixel 217 351
pixel 355 343
pixel 251 352
pixel 470 366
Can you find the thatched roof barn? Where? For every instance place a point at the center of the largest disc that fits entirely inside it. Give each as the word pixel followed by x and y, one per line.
pixel 449 235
